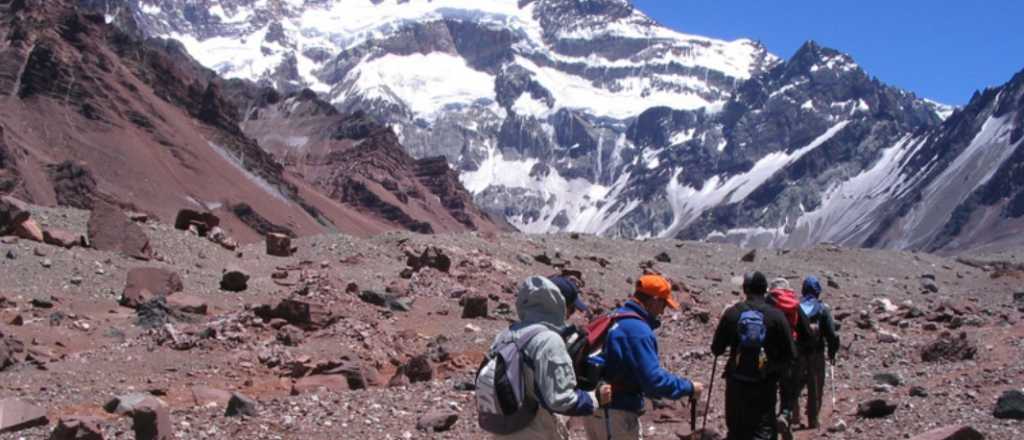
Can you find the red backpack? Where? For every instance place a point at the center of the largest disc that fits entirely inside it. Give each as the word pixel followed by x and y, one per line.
pixel 786 301
pixel 588 341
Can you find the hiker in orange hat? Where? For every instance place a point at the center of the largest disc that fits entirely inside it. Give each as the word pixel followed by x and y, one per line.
pixel 631 365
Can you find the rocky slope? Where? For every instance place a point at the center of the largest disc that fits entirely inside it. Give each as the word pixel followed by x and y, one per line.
pixel 363 338
pixel 563 115
pixel 89 112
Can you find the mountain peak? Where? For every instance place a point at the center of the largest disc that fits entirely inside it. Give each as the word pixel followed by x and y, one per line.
pixel 812 57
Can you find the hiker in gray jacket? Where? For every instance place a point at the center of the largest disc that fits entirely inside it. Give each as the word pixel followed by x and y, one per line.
pixel 549 378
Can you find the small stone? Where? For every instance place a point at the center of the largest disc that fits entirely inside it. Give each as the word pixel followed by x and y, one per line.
pixel 474 307
pixel 839 426
pixel 11 255
pixel 891 379
pixel 437 421
pixel 279 245
pixel 46 263
pixel 749 257
pixel 241 405
pixel 77 281
pixel 887 338
pixel 418 369
pixel 663 257
pixel 951 433
pixel 234 280
pixel 876 408
pixel 470 328
pixel 918 391
pixel 42 303
pixel 1010 405
pixel 929 285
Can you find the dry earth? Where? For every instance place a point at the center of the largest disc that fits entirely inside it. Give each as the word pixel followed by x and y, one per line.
pixel 87 349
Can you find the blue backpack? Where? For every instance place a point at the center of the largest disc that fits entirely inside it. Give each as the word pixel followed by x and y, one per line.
pixel 751 359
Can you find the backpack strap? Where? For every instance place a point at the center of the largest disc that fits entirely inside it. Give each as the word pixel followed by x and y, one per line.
pixel 624 315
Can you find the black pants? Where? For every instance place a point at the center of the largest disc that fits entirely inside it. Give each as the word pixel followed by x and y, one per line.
pixel 750 410
pixel 789 391
pixel 812 375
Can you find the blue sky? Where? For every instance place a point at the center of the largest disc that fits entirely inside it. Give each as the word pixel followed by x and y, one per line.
pixel 939 49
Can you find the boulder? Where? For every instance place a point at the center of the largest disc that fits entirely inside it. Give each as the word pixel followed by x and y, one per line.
pixel 202 221
pixel 111 230
pixel 418 369
pixel 663 257
pixel 279 245
pixel 876 408
pixel 62 238
pixel 145 283
pixel 12 213
pixel 351 370
pixel 891 379
pixel 77 428
pixel 217 235
pixel 241 405
pixel 187 303
pixel 949 349
pixel 16 415
pixel 1010 405
pixel 749 257
pixel 301 313
pixel 474 307
pixel 929 285
pixel 437 421
pixel 951 433
pixel 29 230
pixel 430 257
pixel 234 280
pixel 151 419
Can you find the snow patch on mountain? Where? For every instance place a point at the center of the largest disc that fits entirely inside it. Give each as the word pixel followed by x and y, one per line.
pixel 688 203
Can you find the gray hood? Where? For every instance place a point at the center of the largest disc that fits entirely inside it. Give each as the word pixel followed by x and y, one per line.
pixel 538 300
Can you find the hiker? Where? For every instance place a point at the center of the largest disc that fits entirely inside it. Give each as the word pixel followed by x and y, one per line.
pixel 761 348
pixel 523 406
pixel 631 365
pixel 783 298
pixel 812 359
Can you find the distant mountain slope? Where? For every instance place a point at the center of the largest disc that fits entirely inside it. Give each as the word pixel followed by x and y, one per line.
pixel 143 125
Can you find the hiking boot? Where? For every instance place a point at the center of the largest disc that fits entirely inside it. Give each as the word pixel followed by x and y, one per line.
pixel 783 428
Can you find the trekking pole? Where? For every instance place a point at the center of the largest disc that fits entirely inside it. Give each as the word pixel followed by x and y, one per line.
pixel 832 378
pixel 707 408
pixel 693 415
pixel 607 423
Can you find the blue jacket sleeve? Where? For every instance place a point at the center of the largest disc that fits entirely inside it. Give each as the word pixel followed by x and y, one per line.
pixel 655 380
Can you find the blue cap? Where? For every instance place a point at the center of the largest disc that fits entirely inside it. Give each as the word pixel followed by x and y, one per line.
pixel 811 286
pixel 570 292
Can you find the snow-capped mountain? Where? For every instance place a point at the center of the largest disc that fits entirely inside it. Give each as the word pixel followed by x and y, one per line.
pixel 588 116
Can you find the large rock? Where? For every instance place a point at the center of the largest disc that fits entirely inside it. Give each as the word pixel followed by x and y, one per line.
pixel 951 433
pixel 187 303
pixel 418 369
pixel 77 428
pixel 145 283
pixel 279 245
pixel 474 307
pixel 234 280
pixel 151 419
pixel 300 313
pixel 62 238
pixel 437 421
pixel 12 214
pixel 949 349
pixel 16 415
pixel 876 408
pixel 332 382
pixel 241 405
pixel 111 230
pixel 430 257
pixel 203 222
pixel 29 230
pixel 1010 405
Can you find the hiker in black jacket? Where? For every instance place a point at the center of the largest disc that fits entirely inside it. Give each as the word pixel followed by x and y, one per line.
pixel 812 357
pixel 760 349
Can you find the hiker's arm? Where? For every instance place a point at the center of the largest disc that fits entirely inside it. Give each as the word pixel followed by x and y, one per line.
pixel 656 381
pixel 722 337
pixel 828 330
pixel 555 378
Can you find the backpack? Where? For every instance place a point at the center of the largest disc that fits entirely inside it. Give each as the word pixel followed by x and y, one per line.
pixel 751 358
pixel 586 345
pixel 785 300
pixel 501 399
pixel 812 308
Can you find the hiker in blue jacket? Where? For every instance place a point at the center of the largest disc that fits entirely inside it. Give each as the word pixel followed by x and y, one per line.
pixel 632 366
pixel 822 335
